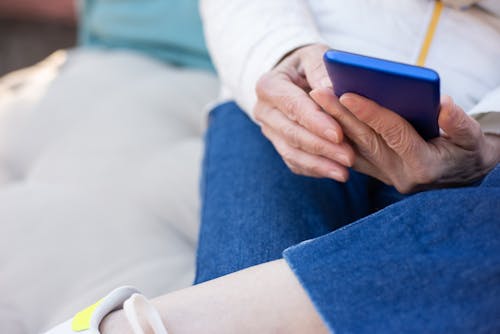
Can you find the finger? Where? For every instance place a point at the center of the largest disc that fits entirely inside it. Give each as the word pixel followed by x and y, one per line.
pixel 290 99
pixel 313 66
pixel 291 69
pixel 299 137
pixel 461 129
pixel 367 144
pixel 397 133
pixel 359 133
pixel 303 163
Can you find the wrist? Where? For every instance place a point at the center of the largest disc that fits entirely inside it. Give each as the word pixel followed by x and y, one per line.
pixel 492 150
pixel 115 322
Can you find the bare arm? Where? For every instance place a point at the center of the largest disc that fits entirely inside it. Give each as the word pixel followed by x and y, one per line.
pixel 262 299
pixel 59 10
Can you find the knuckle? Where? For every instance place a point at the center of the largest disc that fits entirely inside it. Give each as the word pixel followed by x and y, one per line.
pixel 292 108
pixel 313 167
pixel 374 146
pixel 397 136
pixel 293 168
pixel 370 146
pixel 394 133
pixel 259 113
pixel 291 134
pixel 264 85
pixel 308 170
pixel 318 148
pixel 265 132
pixel 315 170
pixel 289 157
pixel 365 138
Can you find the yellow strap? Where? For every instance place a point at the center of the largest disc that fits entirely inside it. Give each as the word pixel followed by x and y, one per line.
pixel 429 36
pixel 81 321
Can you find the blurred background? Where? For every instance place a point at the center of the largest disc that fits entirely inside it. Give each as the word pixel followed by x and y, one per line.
pixel 30 30
pixel 102 114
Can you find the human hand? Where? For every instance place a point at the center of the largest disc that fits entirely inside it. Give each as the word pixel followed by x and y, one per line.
pixel 388 147
pixel 309 140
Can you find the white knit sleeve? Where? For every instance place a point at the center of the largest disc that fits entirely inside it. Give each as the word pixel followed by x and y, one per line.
pixel 246 38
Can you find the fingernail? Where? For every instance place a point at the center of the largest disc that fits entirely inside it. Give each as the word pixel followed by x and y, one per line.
pixel 313 92
pixel 332 135
pixel 336 175
pixel 349 102
pixel 343 158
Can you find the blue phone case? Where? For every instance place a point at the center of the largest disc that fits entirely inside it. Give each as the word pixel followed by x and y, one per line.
pixel 411 91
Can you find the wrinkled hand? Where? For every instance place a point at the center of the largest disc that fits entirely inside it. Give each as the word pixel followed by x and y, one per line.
pixel 388 147
pixel 309 140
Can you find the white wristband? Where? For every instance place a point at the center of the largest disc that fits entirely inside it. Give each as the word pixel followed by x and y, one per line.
pixel 138 307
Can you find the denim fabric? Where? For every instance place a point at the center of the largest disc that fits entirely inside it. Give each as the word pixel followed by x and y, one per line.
pixel 253 207
pixel 426 263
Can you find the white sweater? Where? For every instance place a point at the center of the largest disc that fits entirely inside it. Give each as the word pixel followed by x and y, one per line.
pixel 247 37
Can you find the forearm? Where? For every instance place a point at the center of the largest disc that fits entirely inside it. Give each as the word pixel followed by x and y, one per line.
pixel 262 299
pixel 247 38
pixel 61 10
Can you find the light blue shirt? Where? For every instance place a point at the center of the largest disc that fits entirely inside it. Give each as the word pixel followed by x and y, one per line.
pixel 168 30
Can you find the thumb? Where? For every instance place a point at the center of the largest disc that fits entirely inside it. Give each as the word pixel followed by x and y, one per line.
pixel 314 67
pixel 461 129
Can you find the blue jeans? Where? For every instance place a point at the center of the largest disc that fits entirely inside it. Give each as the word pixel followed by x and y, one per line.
pixel 370 259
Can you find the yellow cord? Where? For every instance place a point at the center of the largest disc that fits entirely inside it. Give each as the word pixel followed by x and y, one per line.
pixel 429 36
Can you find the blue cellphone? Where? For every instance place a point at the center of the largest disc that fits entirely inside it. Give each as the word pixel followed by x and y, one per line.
pixel 411 91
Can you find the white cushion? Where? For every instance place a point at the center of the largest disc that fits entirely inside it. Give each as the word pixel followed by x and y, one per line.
pixel 99 159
